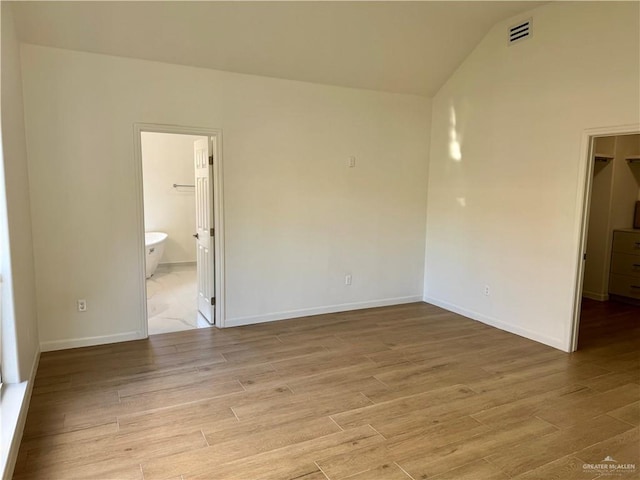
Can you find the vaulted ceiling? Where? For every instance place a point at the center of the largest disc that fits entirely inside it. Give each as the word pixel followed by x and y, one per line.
pixel 403 47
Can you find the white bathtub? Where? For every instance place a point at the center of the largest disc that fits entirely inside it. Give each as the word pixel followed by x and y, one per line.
pixel 154 247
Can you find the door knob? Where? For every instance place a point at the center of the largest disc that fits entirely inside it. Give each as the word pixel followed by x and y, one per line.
pixel 195 235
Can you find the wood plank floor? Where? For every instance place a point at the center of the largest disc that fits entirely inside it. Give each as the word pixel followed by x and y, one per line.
pixel 400 392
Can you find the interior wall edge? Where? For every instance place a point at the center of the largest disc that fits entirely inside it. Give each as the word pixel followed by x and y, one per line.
pixel 17 397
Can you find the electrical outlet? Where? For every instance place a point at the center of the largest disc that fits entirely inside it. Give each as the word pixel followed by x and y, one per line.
pixel 487 290
pixel 347 279
pixel 352 162
pixel 82 305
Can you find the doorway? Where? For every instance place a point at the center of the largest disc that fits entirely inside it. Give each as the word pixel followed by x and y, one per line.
pixel 608 294
pixel 180 227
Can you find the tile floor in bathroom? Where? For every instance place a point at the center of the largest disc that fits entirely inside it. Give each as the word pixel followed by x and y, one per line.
pixel 171 300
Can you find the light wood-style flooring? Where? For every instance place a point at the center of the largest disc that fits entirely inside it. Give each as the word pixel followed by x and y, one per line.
pixel 400 392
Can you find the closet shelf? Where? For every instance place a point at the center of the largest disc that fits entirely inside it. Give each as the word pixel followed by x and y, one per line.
pixel 634 159
pixel 602 157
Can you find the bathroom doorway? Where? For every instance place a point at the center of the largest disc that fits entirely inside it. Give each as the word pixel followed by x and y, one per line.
pixel 180 214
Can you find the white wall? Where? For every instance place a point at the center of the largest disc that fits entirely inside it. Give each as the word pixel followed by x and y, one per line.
pixel 296 217
pixel 19 324
pixel 507 214
pixel 168 159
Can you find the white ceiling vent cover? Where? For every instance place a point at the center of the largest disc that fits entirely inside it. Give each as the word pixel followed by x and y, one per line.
pixel 520 31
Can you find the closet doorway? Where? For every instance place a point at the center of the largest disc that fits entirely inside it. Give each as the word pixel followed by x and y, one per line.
pixel 181 226
pixel 608 296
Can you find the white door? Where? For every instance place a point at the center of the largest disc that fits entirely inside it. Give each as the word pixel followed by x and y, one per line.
pixel 203 156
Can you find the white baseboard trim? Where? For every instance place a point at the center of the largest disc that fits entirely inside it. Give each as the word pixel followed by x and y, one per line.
pixel 601 297
pixel 523 332
pixel 177 264
pixel 305 312
pixel 89 341
pixel 15 406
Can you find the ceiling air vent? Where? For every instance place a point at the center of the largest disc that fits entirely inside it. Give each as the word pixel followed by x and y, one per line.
pixel 520 31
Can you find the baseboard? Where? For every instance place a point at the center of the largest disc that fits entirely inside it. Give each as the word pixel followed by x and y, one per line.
pixel 628 300
pixel 523 332
pixel 600 297
pixel 89 341
pixel 305 312
pixel 14 420
pixel 177 264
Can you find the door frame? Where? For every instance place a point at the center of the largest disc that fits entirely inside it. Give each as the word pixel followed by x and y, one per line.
pixel 218 213
pixel 583 204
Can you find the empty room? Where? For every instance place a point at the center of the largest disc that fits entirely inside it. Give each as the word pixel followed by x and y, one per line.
pixel 320 240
